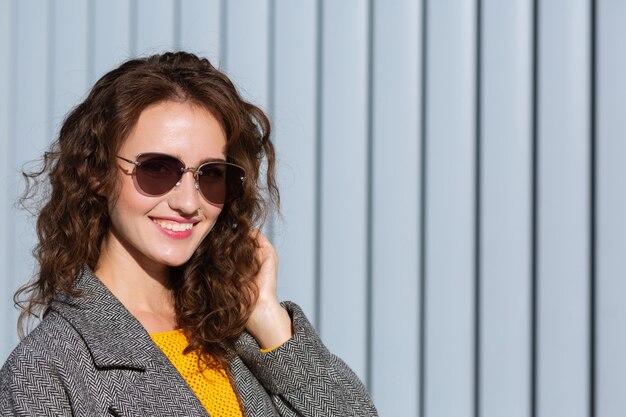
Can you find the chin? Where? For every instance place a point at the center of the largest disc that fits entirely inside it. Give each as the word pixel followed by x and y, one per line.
pixel 173 261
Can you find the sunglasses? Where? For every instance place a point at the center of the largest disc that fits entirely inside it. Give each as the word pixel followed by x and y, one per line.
pixel 156 174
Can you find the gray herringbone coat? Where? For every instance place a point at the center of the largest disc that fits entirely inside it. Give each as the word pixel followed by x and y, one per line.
pixel 90 357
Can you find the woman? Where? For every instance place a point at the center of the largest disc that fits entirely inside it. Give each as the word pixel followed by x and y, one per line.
pixel 158 294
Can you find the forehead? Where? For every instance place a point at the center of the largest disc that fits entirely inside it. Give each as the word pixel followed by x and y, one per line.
pixel 182 129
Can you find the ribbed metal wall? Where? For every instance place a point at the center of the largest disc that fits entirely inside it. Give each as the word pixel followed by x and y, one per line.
pixel 451 171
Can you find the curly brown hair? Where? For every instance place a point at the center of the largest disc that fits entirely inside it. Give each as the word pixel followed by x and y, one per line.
pixel 214 291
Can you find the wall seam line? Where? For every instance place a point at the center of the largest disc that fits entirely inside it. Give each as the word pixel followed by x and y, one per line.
pixel 477 208
pixel 534 210
pixel 593 210
pixel 370 197
pixel 318 165
pixel 223 60
pixel 271 95
pixel 51 70
pixel 423 211
pixel 134 22
pixel 178 26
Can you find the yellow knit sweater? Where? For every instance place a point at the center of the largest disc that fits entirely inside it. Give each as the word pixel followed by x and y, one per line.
pixel 211 386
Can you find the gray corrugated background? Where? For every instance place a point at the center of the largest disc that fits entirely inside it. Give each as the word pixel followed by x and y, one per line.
pixel 452 175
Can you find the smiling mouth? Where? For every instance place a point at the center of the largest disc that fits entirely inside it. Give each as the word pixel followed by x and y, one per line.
pixel 174 226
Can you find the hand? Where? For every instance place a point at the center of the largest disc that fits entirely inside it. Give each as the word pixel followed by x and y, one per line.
pixel 269 322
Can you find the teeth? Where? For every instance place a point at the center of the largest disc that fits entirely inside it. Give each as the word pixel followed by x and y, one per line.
pixel 176 227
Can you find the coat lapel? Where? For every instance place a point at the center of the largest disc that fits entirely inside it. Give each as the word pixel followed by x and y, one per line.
pixel 113 336
pixel 116 340
pixel 254 399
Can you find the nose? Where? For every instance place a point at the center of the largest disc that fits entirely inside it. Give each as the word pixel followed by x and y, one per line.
pixel 185 196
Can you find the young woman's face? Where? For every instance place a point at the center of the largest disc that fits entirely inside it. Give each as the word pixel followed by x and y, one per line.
pixel 165 230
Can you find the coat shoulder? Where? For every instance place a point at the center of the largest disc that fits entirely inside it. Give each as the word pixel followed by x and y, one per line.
pixel 31 378
pixel 42 349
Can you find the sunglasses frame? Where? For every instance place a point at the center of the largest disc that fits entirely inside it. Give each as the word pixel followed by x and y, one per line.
pixel 194 170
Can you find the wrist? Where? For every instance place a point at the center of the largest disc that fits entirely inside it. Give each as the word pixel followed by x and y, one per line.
pixel 270 324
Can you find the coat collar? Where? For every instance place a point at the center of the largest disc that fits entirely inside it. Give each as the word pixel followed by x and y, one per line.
pixel 113 336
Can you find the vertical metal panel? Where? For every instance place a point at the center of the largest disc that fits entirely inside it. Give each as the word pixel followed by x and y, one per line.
pixel 563 209
pixel 295 139
pixel 611 207
pixel 505 218
pixel 396 186
pixel 155 26
pixel 200 28
pixel 7 326
pixel 31 116
pixel 111 36
pixel 344 180
pixel 450 129
pixel 247 56
pixel 69 63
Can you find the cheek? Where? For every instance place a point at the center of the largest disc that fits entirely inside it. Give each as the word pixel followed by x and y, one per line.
pixel 128 201
pixel 212 212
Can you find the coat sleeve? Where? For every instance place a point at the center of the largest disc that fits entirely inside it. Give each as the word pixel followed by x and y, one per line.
pixel 303 378
pixel 30 386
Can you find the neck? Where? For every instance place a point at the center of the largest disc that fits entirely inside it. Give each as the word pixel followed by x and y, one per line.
pixel 141 286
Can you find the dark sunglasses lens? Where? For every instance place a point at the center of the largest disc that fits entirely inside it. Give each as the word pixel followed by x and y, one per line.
pixel 157 174
pixel 220 183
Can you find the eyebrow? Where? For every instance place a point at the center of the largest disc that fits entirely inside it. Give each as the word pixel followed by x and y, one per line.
pixel 204 161
pixel 180 158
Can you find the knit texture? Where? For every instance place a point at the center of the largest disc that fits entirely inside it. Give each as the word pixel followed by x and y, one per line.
pixel 211 386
